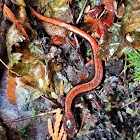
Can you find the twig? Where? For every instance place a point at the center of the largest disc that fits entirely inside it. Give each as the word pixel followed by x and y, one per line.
pixel 89 63
pixel 29 117
pixel 9 68
pixel 129 103
pixel 125 68
pixel 102 13
pixel 80 15
pixel 136 51
pixel 120 116
pixel 61 87
pixel 50 101
pixel 77 43
pixel 83 119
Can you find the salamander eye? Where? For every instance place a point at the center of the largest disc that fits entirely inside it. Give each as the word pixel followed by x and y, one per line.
pixel 69 125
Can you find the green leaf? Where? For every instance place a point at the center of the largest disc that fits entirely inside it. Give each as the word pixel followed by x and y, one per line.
pixel 33 113
pixel 114 48
pixel 88 52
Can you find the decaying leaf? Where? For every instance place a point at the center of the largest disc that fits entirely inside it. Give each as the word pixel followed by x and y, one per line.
pixel 14 36
pixel 14 58
pixel 57 40
pixel 58 10
pixel 15 21
pixel 95 12
pixel 53 30
pixel 118 32
pixel 92 24
pixel 116 45
pixel 25 94
pixel 54 9
pixel 21 69
pixel 113 43
pixel 131 19
pixel 39 77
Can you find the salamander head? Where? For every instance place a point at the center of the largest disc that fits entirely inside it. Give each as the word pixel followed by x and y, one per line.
pixel 70 125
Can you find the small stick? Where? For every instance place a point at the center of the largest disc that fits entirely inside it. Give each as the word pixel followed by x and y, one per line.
pixel 129 103
pixel 61 87
pixel 9 68
pixel 50 101
pixel 29 117
pixel 83 119
pixel 136 52
pixel 80 15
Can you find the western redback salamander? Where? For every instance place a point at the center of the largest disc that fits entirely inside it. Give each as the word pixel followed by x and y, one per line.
pixel 69 120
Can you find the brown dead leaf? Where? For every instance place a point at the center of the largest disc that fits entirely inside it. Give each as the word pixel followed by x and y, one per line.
pixel 57 40
pixel 11 85
pixel 91 23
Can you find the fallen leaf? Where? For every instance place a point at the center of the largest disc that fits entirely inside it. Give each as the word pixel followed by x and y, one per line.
pixel 57 40
pixel 11 85
pixel 91 23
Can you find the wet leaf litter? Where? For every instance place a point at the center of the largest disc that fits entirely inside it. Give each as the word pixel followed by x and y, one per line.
pixel 52 61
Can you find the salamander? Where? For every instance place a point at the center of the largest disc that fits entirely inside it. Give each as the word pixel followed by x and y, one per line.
pixel 69 120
